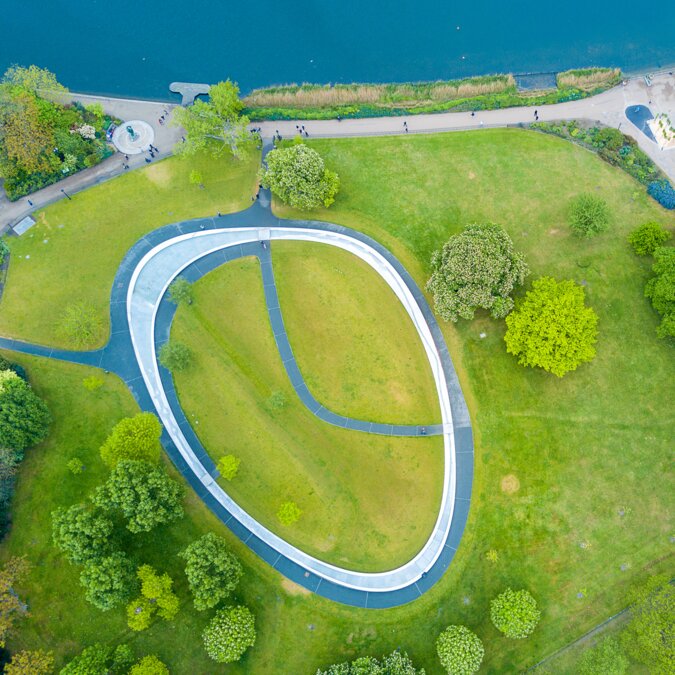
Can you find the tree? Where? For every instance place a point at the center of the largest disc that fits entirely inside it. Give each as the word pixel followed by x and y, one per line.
pixel 100 660
pixel 460 650
pixel 606 658
pixel 24 417
pixel 180 291
pixel 144 493
pixel 589 215
pixel 477 268
pixel 514 613
pixel 30 663
pixel 552 328
pixel 288 513
pixel 660 289
pixel 156 598
pixel 218 119
pixel 149 665
pixel 647 238
pixel 175 356
pixel 84 536
pixel 228 466
pixel 299 177
pixel 108 582
pixel 81 325
pixel 396 663
pixel 648 638
pixel 134 438
pixel 11 605
pixel 32 79
pixel 229 634
pixel 140 613
pixel 212 571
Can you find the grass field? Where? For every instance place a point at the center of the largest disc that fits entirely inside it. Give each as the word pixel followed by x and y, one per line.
pixel 369 502
pixel 556 460
pixel 74 250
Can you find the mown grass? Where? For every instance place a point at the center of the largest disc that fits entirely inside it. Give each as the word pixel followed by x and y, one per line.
pixel 73 252
pixel 368 502
pixel 375 368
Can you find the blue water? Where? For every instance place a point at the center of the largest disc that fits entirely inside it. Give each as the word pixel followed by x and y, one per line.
pixel 135 48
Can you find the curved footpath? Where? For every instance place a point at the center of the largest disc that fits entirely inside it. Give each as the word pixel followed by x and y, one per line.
pixel 140 323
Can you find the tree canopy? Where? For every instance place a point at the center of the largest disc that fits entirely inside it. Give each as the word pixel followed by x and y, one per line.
pixel 24 417
pixel 135 438
pixel 396 663
pixel 98 659
pixel 648 237
pixel 606 658
pixel 477 268
pixel 217 123
pixel 81 534
pixel 213 572
pixel 660 289
pixel 30 663
pixel 11 605
pixel 144 493
pixel 460 650
pixel 552 328
pixel 175 356
pixel 229 634
pixel 298 176
pixel 180 290
pixel 149 665
pixel 109 581
pixel 157 597
pixel 514 613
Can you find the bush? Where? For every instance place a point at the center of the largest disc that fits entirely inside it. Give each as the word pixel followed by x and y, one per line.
pixel 24 417
pixel 81 325
pixel 477 268
pixel 514 613
pixel 589 215
pixel 175 356
pixel 229 634
pixel 460 650
pixel 660 289
pixel 647 238
pixel 228 465
pixel 289 513
pixel 92 383
pixel 149 665
pixel 663 192
pixel 606 658
pixel 396 663
pixel 135 438
pixel 552 328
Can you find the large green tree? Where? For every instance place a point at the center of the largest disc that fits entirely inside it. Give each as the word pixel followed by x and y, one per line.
pixel 477 268
pixel 396 663
pixel 98 659
pixel 650 635
pixel 229 634
pixel 660 289
pixel 460 651
pixel 298 176
pixel 213 572
pixel 33 79
pixel 82 534
pixel 24 417
pixel 216 123
pixel 109 581
pixel 144 493
pixel 514 613
pixel 134 438
pixel 552 328
pixel 606 658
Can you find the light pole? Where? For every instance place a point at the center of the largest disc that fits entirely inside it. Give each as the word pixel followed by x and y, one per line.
pixel 66 194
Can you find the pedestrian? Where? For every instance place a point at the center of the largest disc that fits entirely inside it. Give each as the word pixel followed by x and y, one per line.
pixel 126 157
pixel 160 121
pixel 30 203
pixel 473 113
pixel 303 127
pixel 148 160
pixel 307 134
pixel 405 124
pixel 535 113
pixel 339 119
pixel 182 138
pixel 297 126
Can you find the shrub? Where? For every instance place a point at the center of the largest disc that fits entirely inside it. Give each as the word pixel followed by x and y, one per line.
pixel 514 613
pixel 24 417
pixel 228 465
pixel 647 238
pixel 81 325
pixel 4 251
pixel 460 650
pixel 196 178
pixel 606 658
pixel 229 634
pixel 75 466
pixel 149 665
pixel 476 268
pixel 552 328
pixel 288 513
pixel 175 356
pixel 135 438
pixel 589 215
pixel 92 383
pixel 396 663
pixel 298 176
pixel 663 192
pixel 660 289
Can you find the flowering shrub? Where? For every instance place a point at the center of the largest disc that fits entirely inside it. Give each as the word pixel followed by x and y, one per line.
pixel 663 192
pixel 460 650
pixel 229 634
pixel 515 613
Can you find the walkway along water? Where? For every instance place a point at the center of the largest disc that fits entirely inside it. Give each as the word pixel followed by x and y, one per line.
pixel 140 323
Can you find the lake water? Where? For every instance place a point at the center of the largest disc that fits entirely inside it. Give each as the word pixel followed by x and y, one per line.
pixel 135 48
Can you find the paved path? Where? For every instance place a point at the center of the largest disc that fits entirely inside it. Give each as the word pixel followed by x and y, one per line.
pixel 607 108
pixel 140 323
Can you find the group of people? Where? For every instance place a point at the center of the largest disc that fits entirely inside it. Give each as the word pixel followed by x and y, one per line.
pixel 162 119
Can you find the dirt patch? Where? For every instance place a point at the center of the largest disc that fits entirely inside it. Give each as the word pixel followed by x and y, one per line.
pixel 160 173
pixel 472 175
pixel 553 230
pixel 509 484
pixel 328 544
pixel 294 589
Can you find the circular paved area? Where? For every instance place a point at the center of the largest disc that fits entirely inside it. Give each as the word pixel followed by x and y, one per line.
pixel 144 135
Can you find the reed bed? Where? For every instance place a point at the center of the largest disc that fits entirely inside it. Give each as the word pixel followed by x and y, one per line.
pixel 588 79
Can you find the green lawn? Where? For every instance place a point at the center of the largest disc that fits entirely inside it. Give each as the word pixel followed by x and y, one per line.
pixel 555 459
pixel 74 250
pixel 369 502
pixel 372 365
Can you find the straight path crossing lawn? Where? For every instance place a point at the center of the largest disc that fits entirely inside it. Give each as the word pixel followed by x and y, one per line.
pixel 73 251
pixel 368 502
